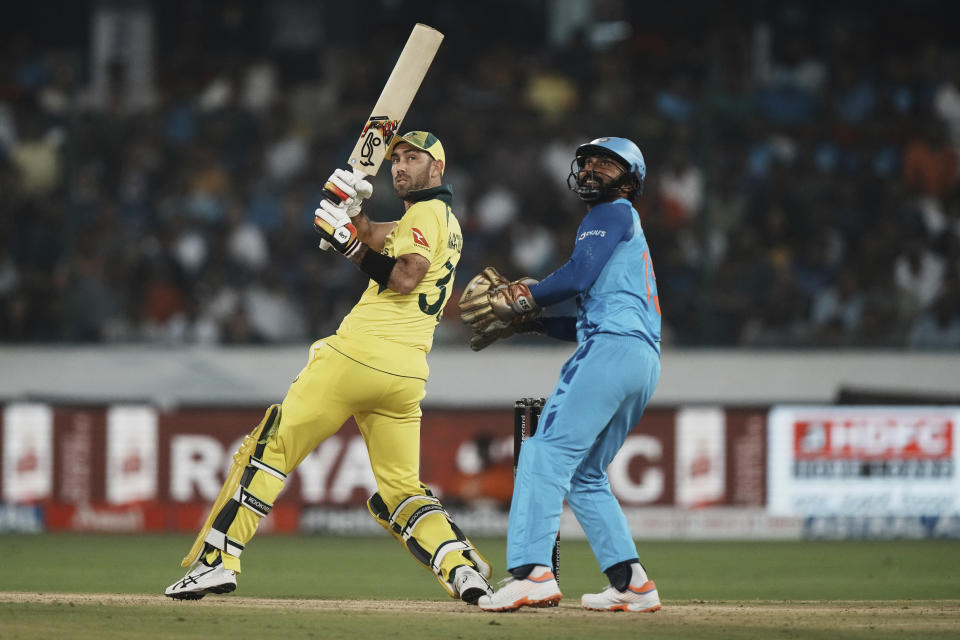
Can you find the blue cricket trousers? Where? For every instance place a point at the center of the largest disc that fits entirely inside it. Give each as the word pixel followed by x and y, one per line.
pixel 602 392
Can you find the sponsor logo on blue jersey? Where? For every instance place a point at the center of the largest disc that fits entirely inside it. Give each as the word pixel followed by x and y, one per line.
pixel 592 232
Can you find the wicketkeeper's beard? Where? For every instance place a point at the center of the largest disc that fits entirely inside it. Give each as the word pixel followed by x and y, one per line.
pixel 591 186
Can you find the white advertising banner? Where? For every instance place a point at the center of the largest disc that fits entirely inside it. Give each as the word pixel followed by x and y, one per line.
pixel 27 452
pixel 131 454
pixel 701 457
pixel 863 461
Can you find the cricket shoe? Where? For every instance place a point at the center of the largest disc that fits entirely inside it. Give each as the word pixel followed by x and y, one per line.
pixel 469 584
pixel 642 598
pixel 538 589
pixel 201 581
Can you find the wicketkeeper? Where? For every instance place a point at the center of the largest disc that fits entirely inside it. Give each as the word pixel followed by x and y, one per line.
pixel 602 390
pixel 375 369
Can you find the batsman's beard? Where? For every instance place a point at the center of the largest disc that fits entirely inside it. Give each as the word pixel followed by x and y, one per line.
pixel 412 183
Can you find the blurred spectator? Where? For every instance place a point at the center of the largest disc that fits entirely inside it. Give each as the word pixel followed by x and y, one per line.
pixel 533 248
pixel 162 298
pixel 272 313
pixel 930 162
pixel 939 328
pixel 946 101
pixel 880 324
pixel 800 168
pixel 495 208
pixel 781 317
pixel 681 188
pixel 855 96
pixel 550 93
pixel 36 156
pixel 90 303
pixel 9 282
pixel 836 311
pixel 676 100
pixel 286 158
pixel 918 274
pixel 192 325
pixel 246 242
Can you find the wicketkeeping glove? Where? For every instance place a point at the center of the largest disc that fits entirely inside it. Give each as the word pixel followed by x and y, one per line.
pixel 489 298
pixel 479 286
pixel 500 330
pixel 333 224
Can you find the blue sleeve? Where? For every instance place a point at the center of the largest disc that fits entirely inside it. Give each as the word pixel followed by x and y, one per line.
pixel 602 228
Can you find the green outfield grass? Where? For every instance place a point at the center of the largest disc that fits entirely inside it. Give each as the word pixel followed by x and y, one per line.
pixel 330 567
pixel 873 590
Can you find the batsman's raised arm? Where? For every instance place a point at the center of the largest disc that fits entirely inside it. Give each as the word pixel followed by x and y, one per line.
pixel 344 227
pixel 343 234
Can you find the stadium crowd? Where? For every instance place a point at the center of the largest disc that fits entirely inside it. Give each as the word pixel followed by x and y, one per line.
pixel 802 170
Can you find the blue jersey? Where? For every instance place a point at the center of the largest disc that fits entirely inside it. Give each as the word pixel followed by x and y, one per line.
pixel 611 274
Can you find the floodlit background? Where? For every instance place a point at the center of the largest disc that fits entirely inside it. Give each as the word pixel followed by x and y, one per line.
pixel 159 161
pixel 160 280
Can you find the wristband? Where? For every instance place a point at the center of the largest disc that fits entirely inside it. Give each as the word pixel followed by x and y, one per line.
pixel 377 266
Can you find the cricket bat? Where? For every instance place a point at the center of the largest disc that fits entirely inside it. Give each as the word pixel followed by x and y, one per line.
pixel 393 103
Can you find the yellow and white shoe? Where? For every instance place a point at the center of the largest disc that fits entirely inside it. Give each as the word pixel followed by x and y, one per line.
pixel 538 589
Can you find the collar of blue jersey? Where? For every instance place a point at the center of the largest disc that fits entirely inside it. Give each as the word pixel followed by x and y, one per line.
pixel 617 201
pixel 443 193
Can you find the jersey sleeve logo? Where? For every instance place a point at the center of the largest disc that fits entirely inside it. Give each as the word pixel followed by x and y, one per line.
pixel 593 232
pixel 419 238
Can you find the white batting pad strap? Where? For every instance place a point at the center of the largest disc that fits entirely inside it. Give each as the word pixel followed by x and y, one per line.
pixel 396 512
pixel 444 549
pixel 219 540
pixel 234 548
pixel 419 515
pixel 263 466
pixel 216 539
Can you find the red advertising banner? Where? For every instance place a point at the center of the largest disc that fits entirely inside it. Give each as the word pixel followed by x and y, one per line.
pixel 137 467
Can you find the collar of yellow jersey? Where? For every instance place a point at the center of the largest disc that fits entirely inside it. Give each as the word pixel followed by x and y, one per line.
pixel 443 193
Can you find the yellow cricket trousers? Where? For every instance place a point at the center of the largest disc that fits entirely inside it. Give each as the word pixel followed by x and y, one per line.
pixel 330 389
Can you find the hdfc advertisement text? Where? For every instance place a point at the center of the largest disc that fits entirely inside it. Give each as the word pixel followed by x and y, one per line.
pixel 863 461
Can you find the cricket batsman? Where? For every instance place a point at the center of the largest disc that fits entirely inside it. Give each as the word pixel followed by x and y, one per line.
pixel 602 391
pixel 375 369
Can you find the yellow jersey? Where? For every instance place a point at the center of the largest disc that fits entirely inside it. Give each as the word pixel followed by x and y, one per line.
pixel 393 331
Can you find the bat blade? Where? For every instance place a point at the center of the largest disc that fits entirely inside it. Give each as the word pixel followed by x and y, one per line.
pixel 395 99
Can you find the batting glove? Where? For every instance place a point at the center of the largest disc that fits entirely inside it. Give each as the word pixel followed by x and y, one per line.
pixel 333 224
pixel 349 188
